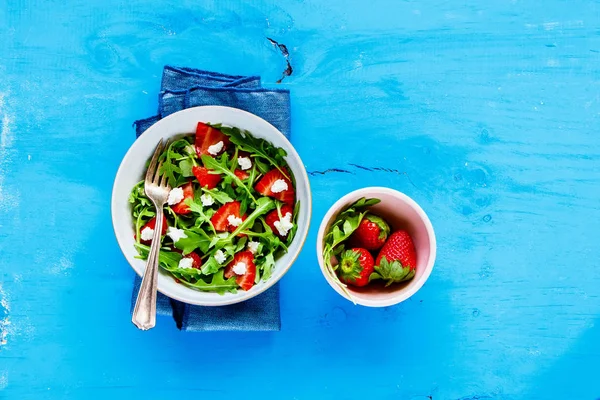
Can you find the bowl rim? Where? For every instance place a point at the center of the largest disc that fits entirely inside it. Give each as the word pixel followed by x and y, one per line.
pixel 372 192
pixel 291 152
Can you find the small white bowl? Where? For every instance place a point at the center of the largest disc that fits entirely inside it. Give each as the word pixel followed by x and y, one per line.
pixel 132 170
pixel 401 212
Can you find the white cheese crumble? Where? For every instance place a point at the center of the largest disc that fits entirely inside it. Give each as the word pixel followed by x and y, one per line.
pixel 284 224
pixel 253 247
pixel 240 268
pixel 244 163
pixel 207 200
pixel 234 221
pixel 147 234
pixel 186 263
pixel 279 186
pixel 215 148
pixel 175 196
pixel 220 256
pixel 175 234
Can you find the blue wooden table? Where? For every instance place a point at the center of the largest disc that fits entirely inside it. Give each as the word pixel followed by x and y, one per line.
pixel 488 115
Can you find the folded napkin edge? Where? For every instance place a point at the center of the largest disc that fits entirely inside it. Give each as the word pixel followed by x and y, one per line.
pixel 200 73
pixel 223 89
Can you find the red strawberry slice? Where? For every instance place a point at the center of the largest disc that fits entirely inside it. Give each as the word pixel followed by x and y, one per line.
pixel 152 224
pixel 196 260
pixel 245 281
pixel 220 218
pixel 206 179
pixel 207 136
pixel 265 184
pixel 242 175
pixel 273 217
pixel 188 193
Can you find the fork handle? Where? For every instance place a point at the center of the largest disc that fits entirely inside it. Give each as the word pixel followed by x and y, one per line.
pixel 144 313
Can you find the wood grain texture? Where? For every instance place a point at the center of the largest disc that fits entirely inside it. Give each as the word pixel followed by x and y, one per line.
pixel 487 115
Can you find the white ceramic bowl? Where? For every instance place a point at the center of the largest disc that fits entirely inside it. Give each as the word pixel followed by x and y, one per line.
pixel 132 170
pixel 401 212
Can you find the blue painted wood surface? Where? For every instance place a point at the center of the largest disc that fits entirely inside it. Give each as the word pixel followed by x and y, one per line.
pixel 486 114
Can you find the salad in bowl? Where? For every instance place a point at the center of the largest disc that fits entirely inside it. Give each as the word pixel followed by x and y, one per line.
pixel 235 218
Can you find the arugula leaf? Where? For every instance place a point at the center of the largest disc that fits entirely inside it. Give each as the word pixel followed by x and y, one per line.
pixel 196 239
pixel 169 260
pixel 258 147
pixel 213 164
pixel 263 205
pixel 198 208
pixel 210 266
pixel 345 223
pixel 218 195
pixel 186 166
pixel 268 265
pixel 391 272
pixel 169 169
pixel 292 232
pixel 240 244
pixel 140 221
pixel 217 284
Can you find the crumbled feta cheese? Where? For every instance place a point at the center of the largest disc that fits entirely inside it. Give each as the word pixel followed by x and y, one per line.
pixel 175 196
pixel 207 200
pixel 186 263
pixel 147 234
pixel 279 186
pixel 244 163
pixel 175 234
pixel 253 247
pixel 215 148
pixel 220 256
pixel 234 221
pixel 240 268
pixel 284 224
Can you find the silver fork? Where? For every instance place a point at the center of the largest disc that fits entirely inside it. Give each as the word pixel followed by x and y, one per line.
pixel 157 190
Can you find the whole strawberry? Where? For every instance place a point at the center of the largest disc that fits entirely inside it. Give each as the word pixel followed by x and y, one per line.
pixel 397 259
pixel 371 233
pixel 355 267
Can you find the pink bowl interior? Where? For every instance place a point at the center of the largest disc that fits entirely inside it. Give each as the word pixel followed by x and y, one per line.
pixel 400 214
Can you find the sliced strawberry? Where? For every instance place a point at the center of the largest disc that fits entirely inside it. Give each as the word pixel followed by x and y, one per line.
pixel 196 260
pixel 265 184
pixel 207 136
pixel 220 218
pixel 188 193
pixel 152 224
pixel 242 175
pixel 273 217
pixel 245 281
pixel 206 179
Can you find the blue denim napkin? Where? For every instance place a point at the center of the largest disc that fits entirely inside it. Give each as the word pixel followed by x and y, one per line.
pixel 186 87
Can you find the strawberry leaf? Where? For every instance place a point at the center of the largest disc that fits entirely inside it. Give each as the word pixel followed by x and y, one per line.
pixel 384 228
pixel 392 272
